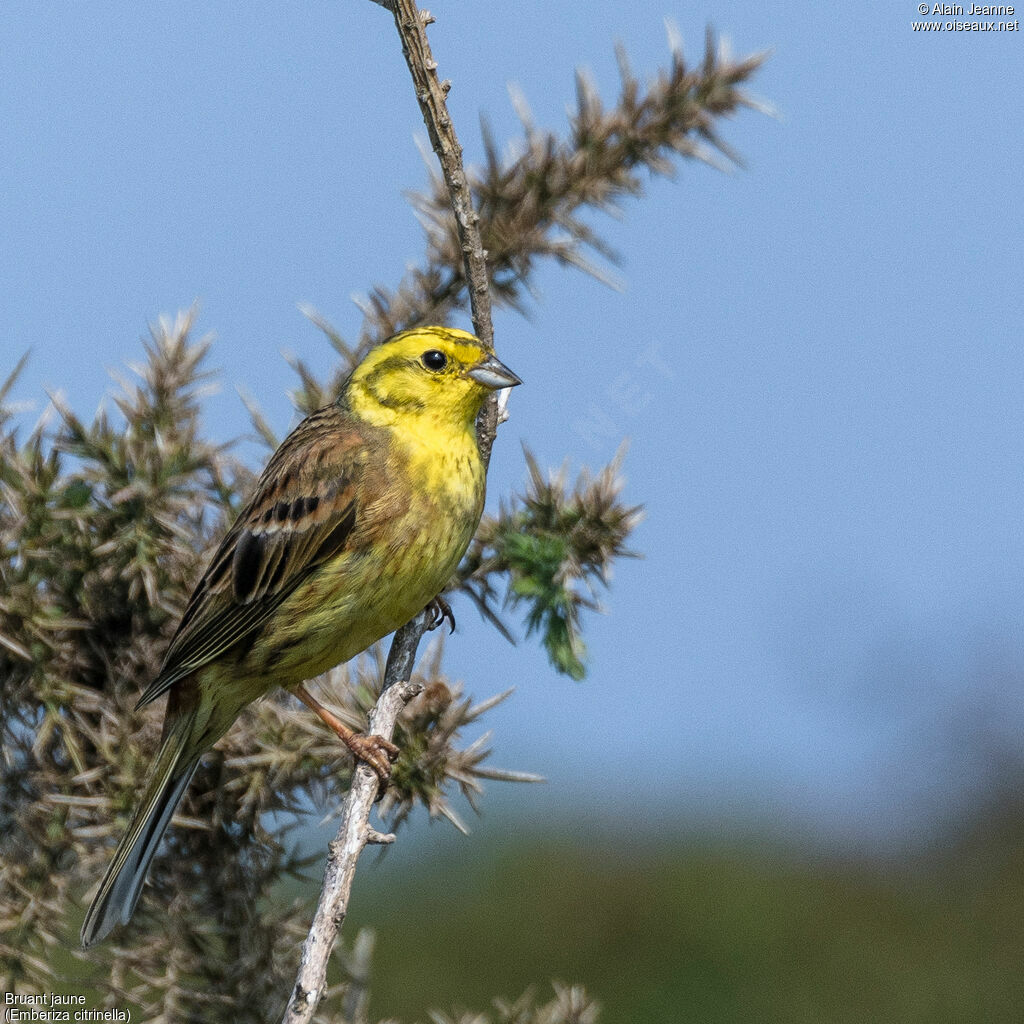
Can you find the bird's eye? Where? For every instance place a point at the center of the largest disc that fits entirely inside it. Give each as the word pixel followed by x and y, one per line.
pixel 434 360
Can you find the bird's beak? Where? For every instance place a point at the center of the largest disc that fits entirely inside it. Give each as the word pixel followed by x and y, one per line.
pixel 493 374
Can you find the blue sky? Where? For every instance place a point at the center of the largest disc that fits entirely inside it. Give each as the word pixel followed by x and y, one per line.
pixel 816 359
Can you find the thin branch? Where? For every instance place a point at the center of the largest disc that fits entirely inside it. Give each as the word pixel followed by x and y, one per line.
pixel 431 92
pixel 355 832
pixel 412 28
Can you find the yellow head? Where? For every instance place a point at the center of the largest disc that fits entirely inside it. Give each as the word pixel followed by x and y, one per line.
pixel 433 372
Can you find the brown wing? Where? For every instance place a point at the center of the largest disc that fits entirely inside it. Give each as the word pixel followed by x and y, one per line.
pixel 302 513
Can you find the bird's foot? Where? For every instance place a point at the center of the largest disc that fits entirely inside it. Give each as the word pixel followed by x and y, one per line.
pixel 440 611
pixel 375 751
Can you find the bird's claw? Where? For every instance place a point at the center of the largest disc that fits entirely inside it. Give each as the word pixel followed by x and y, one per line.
pixel 376 752
pixel 440 611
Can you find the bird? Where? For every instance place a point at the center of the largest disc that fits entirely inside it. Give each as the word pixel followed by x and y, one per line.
pixel 356 524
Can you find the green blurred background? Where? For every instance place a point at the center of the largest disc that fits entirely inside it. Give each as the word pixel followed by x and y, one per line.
pixel 712 928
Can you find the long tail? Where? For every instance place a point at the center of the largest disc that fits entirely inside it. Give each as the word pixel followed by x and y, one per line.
pixel 122 884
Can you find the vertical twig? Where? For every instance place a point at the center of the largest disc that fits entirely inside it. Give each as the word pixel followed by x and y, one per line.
pixel 412 29
pixel 431 92
pixel 355 832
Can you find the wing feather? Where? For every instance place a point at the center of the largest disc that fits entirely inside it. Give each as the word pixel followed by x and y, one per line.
pixel 302 513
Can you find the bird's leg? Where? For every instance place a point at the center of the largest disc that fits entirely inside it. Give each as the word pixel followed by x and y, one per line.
pixel 440 611
pixel 376 751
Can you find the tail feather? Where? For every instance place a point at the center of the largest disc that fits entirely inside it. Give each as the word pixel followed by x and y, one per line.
pixel 122 884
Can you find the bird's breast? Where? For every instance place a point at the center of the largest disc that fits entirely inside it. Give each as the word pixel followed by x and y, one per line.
pixel 402 559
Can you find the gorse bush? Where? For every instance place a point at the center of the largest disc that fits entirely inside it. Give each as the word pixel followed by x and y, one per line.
pixel 103 529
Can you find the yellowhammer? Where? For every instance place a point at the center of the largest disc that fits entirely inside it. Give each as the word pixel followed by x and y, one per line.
pixel 357 523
